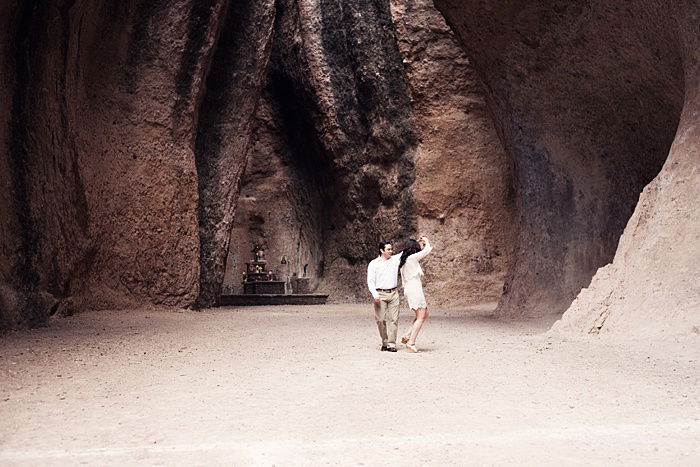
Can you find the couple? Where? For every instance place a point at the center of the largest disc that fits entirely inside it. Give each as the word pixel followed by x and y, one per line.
pixel 382 280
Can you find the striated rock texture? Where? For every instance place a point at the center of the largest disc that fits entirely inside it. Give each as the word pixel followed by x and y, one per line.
pixel 332 166
pixel 463 183
pixel 100 118
pixel 588 98
pixel 232 93
pixel 125 129
pixel 378 126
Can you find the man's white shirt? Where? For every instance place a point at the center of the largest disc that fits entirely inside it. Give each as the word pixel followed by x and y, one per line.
pixel 383 273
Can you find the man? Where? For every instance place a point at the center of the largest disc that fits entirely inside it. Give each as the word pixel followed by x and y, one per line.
pixel 382 280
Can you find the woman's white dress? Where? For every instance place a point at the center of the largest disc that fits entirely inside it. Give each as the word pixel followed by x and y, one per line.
pixel 411 274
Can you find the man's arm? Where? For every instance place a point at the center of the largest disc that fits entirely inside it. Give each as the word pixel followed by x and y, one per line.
pixel 371 276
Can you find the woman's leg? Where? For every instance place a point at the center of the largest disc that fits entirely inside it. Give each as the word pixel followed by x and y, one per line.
pixel 421 315
pixel 407 335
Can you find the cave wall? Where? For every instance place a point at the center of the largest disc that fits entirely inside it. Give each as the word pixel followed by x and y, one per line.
pixel 290 199
pixel 101 114
pixel 280 207
pixel 9 231
pixel 125 129
pixel 132 120
pixel 37 192
pixel 587 98
pixel 336 138
pixel 463 177
pixel 653 285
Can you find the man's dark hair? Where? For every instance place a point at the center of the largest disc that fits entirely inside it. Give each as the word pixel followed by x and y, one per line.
pixel 383 245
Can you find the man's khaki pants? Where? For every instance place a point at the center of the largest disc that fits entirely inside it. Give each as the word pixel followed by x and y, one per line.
pixel 386 313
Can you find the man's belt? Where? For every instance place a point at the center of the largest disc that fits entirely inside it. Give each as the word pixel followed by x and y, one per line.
pixel 386 290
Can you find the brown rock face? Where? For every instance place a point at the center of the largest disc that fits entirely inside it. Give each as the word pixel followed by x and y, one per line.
pixel 232 94
pixel 100 123
pixel 125 129
pixel 355 143
pixel 463 183
pixel 588 98
pixel 332 165
pixel 653 284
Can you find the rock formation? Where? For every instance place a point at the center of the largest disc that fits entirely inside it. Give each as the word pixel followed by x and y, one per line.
pixel 463 182
pixel 321 192
pixel 231 95
pixel 101 115
pixel 332 166
pixel 125 130
pixel 589 98
pixel 126 127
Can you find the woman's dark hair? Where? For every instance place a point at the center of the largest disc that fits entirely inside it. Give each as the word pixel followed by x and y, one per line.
pixel 410 248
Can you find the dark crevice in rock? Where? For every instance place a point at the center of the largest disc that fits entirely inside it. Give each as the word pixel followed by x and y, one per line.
pixel 335 36
pixel 31 25
pixel 338 87
pixel 140 50
pixel 298 126
pixel 198 25
pixel 220 86
pixel 65 39
pixel 231 94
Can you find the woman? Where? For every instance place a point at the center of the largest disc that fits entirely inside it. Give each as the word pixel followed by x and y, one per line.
pixel 411 273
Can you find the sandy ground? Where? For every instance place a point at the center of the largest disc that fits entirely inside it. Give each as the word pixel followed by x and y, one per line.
pixel 309 386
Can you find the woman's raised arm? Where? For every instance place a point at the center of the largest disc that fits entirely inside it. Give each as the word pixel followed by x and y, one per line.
pixel 424 252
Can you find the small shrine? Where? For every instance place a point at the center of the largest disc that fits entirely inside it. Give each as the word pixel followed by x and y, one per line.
pixel 258 279
pixel 262 286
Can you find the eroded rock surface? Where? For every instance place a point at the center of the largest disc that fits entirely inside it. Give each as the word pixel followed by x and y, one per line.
pixel 463 185
pixel 588 98
pixel 333 163
pixel 232 94
pixel 125 129
pixel 100 115
pixel 355 143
